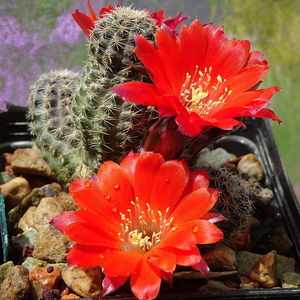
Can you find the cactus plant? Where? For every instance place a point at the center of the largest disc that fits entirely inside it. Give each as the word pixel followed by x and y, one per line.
pixel 95 124
pixel 117 127
pixel 51 121
pixel 236 203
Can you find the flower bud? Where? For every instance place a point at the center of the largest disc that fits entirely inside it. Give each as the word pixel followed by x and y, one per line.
pixel 163 137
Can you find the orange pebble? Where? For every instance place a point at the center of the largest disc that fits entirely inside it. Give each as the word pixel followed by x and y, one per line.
pixel 70 296
pixel 46 276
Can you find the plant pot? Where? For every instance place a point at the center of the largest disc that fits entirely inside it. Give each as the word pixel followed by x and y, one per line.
pixel 257 139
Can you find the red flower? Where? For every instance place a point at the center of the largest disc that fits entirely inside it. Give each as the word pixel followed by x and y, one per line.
pixel 202 78
pixel 140 219
pixel 86 22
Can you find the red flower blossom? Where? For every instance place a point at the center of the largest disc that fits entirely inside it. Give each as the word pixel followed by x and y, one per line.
pixel 202 78
pixel 86 22
pixel 139 219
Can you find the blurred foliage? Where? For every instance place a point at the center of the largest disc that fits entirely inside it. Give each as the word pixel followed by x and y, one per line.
pixel 273 28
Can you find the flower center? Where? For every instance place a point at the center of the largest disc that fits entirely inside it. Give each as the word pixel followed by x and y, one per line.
pixel 143 230
pixel 198 93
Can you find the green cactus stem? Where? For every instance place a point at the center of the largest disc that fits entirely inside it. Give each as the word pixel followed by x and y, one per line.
pixel 109 126
pixel 51 122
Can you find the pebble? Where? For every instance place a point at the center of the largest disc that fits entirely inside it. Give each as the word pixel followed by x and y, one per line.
pixel 4 270
pixel 246 260
pixel 33 199
pixel 290 280
pixel 29 161
pixel 70 296
pixel 86 282
pixel 27 237
pixel 279 241
pixel 35 290
pixel 214 285
pixel 220 258
pixel 16 285
pixel 46 276
pixel 67 201
pixel 47 209
pixel 26 221
pixel 247 283
pixel 250 166
pixel 49 293
pixel 6 177
pixel 30 263
pixel 51 245
pixel 264 270
pixel 216 157
pixel 14 191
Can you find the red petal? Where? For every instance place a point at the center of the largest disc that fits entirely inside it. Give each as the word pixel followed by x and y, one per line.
pixel 163 259
pixel 195 205
pixel 229 59
pixel 267 113
pixel 184 240
pixel 186 127
pixel 146 170
pixel 169 183
pixel 196 47
pixel 119 263
pixel 213 217
pixel 107 10
pixel 202 267
pixel 92 13
pixel 128 164
pixel 89 197
pixel 111 284
pixel 188 257
pixel 161 62
pixel 64 219
pixel 87 234
pixel 115 185
pixel 102 223
pixel 83 256
pixel 198 179
pixel 246 78
pixel 145 282
pixel 215 39
pixel 204 231
pixel 138 92
pixel 84 21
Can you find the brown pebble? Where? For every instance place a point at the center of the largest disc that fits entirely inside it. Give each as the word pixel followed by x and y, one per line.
pixel 231 284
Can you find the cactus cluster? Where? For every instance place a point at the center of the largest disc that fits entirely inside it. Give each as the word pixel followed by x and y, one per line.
pixel 235 203
pixel 77 121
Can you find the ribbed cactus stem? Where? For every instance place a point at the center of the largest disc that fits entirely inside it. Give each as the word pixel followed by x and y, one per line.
pixel 52 124
pixel 110 127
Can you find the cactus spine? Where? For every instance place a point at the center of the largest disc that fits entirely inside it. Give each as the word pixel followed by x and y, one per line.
pixel 95 124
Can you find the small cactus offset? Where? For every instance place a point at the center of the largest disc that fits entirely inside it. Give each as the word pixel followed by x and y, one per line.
pixel 111 127
pixel 236 203
pixel 51 121
pixel 78 122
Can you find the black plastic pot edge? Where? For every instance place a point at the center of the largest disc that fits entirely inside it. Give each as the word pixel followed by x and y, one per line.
pixel 258 139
